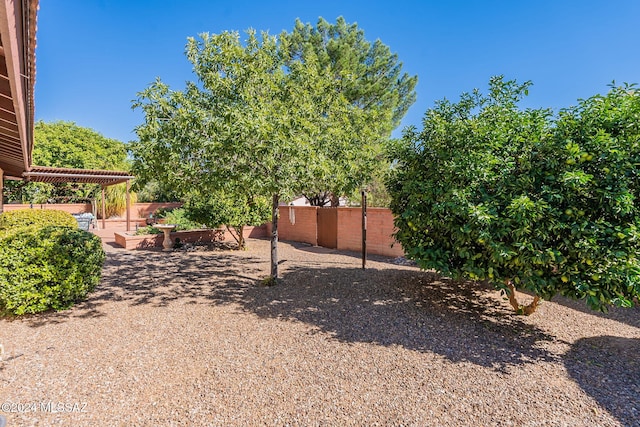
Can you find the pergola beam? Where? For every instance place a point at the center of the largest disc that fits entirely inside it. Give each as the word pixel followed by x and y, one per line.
pixel 104 178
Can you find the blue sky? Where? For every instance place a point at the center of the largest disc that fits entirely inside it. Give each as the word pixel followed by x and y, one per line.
pixel 94 56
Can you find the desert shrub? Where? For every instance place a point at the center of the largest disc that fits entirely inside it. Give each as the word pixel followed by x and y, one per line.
pixel 216 209
pixel 38 217
pixel 47 267
pixel 176 216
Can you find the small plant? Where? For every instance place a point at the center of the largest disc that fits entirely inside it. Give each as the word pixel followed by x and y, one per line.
pixel 149 229
pixel 268 281
pixel 179 218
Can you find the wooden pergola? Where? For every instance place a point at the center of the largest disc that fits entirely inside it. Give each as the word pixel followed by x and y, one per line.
pixel 104 178
pixel 18 20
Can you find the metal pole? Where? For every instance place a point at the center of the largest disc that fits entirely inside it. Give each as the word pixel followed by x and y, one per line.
pixel 275 213
pixel 364 229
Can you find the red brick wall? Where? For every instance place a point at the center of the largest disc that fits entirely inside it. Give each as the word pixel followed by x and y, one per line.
pixel 67 207
pixel 142 210
pixel 305 227
pixel 128 241
pixel 138 210
pixel 379 231
pixel 247 231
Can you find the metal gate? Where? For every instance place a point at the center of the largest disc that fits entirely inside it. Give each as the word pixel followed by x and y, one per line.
pixel 328 227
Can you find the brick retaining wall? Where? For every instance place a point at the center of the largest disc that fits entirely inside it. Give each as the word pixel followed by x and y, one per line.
pixel 129 241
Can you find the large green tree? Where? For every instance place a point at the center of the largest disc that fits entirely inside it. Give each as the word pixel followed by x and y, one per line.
pixel 67 145
pixel 523 199
pixel 370 77
pixel 256 123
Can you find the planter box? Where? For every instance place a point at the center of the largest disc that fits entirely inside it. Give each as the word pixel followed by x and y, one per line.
pixel 146 241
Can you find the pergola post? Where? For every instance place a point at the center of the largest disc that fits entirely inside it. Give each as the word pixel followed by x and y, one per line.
pixel 104 209
pixel 128 206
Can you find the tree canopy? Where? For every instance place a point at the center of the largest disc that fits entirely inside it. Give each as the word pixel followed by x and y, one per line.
pixel 67 145
pixel 525 199
pixel 370 77
pixel 258 122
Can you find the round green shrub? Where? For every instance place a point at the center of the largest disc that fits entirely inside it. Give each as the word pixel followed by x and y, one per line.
pixel 40 217
pixel 522 199
pixel 48 267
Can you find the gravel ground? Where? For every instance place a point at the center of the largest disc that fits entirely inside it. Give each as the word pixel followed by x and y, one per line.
pixel 190 339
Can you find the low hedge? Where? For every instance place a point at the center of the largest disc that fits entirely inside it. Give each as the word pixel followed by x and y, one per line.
pixel 40 217
pixel 46 267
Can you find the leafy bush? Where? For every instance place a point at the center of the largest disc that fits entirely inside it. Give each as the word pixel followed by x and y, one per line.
pixel 179 217
pixel 217 209
pixel 49 267
pixel 487 191
pixel 46 262
pixel 38 217
pixel 149 229
pixel 176 216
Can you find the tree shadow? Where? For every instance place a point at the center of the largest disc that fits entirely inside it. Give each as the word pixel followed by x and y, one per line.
pixel 158 278
pixel 608 369
pixel 619 314
pixel 463 322
pixel 307 247
pixel 417 310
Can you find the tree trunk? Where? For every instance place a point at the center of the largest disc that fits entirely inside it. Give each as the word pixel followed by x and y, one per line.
pixel 335 201
pixel 319 199
pixel 521 309
pixel 234 233
pixel 241 242
pixel 274 238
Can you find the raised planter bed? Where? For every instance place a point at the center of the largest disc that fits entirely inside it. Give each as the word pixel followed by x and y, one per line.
pixel 147 241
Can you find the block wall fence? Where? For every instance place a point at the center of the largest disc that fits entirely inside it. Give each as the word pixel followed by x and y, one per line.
pixel 300 224
pixel 138 210
pixel 296 223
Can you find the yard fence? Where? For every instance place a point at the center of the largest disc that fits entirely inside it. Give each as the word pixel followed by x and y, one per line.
pixel 339 228
pixel 138 210
pixel 336 228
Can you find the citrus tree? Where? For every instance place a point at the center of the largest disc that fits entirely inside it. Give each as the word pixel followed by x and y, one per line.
pixel 523 199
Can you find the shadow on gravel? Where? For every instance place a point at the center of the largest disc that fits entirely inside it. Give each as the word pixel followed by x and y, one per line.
pixel 405 307
pixel 618 314
pixel 608 369
pixel 156 278
pixel 409 308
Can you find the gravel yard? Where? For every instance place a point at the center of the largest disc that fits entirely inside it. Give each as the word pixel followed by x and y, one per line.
pixel 190 339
